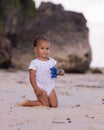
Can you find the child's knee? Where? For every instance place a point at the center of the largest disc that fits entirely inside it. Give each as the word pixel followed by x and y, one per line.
pixel 46 104
pixel 54 105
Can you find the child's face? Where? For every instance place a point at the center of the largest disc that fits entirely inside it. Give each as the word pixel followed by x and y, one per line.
pixel 42 49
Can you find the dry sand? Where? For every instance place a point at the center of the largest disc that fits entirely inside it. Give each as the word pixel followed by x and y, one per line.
pixel 79 96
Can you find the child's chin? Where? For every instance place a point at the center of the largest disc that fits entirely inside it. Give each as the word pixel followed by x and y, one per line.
pixel 45 56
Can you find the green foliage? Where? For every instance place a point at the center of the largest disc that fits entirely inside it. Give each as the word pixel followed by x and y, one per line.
pixel 25 8
pixel 28 8
pixel 1 9
pixel 1 28
pixel 1 16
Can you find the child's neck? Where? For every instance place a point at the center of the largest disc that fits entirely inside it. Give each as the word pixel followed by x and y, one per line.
pixel 43 59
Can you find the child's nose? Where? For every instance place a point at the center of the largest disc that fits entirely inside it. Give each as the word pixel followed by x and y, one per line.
pixel 45 50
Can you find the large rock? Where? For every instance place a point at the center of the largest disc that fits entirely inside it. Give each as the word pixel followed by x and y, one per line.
pixel 5 53
pixel 67 31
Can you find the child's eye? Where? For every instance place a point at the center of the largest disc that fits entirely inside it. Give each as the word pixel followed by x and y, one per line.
pixel 42 48
pixel 45 48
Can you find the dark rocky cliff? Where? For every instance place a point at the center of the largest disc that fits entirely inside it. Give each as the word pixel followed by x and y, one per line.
pixel 67 31
pixel 5 53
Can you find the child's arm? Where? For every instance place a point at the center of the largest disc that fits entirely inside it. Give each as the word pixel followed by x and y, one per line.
pixel 32 74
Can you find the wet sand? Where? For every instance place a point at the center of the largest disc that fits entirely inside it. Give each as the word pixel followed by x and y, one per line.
pixel 80 103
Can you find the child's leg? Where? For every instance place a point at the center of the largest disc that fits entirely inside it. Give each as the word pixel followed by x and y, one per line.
pixel 28 103
pixel 42 101
pixel 53 99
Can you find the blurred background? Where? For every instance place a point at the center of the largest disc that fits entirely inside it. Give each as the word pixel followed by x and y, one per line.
pixel 76 29
pixel 93 11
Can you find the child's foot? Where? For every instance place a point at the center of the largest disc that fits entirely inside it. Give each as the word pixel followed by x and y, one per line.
pixel 24 103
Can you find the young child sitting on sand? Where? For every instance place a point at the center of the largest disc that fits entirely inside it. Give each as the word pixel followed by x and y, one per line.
pixel 40 75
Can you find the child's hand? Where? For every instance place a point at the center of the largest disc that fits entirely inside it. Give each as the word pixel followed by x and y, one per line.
pixel 38 91
pixel 62 72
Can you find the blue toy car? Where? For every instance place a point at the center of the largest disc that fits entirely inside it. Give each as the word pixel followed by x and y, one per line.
pixel 54 72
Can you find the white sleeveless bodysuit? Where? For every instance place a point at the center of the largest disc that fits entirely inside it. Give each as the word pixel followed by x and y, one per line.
pixel 43 73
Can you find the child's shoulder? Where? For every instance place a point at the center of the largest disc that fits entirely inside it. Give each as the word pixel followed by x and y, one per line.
pixel 52 60
pixel 34 61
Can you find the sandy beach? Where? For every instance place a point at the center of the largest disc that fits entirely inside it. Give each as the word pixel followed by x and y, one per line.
pixel 80 103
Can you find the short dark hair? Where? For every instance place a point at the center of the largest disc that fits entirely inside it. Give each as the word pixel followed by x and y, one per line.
pixel 38 38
